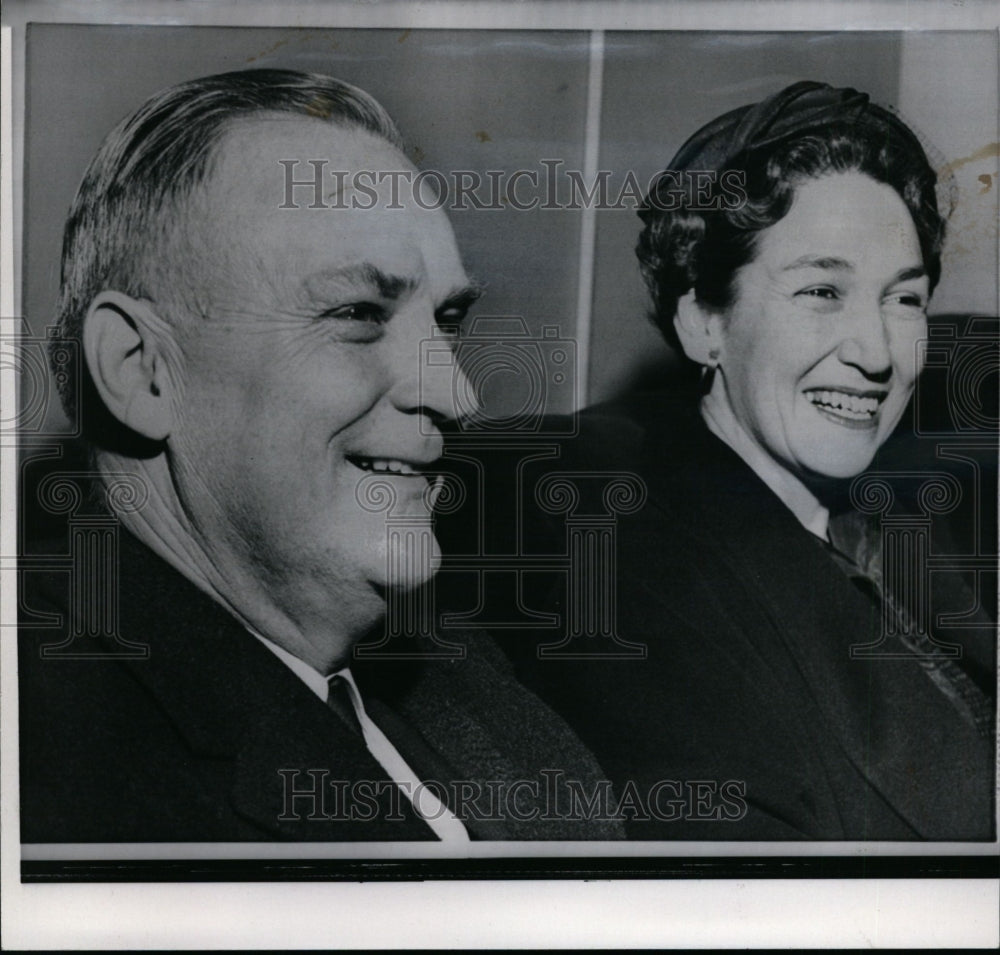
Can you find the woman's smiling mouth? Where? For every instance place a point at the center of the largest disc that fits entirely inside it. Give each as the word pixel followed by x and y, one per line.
pixel 849 408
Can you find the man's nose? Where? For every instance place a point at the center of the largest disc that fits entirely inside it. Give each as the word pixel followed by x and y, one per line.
pixel 431 380
pixel 866 344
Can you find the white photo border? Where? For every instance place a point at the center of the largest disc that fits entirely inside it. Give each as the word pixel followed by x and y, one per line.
pixel 738 910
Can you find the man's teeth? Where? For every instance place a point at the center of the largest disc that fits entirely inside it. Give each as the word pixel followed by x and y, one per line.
pixel 390 465
pixel 860 407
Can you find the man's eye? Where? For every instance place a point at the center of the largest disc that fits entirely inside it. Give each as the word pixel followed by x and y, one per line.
pixel 358 312
pixel 450 320
pixel 826 292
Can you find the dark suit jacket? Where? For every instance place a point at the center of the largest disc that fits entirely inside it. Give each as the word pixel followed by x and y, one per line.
pixel 190 743
pixel 748 678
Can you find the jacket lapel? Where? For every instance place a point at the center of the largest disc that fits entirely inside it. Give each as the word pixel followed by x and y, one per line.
pixel 345 795
pixel 232 700
pixel 898 730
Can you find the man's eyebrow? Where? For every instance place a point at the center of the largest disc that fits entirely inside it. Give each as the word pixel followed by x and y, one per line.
pixel 362 275
pixel 461 298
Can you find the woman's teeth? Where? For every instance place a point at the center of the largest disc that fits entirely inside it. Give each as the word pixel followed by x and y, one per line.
pixel 858 407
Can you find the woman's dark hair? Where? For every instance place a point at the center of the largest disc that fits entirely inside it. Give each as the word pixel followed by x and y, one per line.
pixel 737 176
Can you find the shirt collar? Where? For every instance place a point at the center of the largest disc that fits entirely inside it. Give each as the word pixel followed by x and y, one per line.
pixel 312 678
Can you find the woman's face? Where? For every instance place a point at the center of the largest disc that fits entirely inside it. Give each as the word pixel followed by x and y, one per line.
pixel 819 354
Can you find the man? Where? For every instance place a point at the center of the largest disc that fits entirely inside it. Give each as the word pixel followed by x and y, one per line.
pixel 251 367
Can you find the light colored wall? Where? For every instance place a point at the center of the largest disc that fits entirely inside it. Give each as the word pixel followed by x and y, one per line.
pixel 659 88
pixel 464 101
pixel 948 91
pixel 505 100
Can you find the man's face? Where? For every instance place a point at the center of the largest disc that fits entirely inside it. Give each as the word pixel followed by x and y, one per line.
pixel 302 384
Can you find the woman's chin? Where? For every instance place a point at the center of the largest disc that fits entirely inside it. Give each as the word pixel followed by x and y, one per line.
pixel 836 469
pixel 837 454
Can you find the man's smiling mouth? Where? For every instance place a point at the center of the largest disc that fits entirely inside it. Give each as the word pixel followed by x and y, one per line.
pixel 406 469
pixel 387 465
pixel 847 405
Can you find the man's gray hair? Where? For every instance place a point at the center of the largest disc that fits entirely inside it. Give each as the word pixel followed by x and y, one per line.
pixel 132 194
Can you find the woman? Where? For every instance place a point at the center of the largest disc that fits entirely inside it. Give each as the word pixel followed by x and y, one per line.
pixel 791 248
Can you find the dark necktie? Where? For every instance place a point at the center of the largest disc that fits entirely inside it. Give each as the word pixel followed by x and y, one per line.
pixel 338 698
pixel 856 546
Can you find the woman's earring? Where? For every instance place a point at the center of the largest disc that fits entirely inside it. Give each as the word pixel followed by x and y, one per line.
pixel 708 369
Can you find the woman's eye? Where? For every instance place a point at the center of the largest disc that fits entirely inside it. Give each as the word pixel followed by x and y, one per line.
pixel 358 312
pixel 909 299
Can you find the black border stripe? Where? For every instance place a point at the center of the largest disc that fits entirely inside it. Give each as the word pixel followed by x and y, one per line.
pixel 351 870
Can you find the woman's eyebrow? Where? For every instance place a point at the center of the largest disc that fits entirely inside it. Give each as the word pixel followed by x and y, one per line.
pixel 828 262
pixel 913 272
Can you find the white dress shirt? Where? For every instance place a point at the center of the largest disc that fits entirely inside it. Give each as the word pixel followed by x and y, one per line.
pixel 446 825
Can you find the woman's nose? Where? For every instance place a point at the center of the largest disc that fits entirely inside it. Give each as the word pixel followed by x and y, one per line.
pixel 866 344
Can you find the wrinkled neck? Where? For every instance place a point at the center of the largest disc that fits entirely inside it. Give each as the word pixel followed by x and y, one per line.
pixel 162 524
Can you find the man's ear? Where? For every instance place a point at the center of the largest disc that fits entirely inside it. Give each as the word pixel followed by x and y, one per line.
pixel 123 344
pixel 699 330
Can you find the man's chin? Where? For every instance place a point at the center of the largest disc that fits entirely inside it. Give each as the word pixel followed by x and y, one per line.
pixel 412 558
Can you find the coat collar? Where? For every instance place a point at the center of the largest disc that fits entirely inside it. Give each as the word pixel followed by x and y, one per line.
pixel 233 700
pixel 896 728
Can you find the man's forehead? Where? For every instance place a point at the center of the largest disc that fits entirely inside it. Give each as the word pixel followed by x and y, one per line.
pixel 243 206
pixel 254 148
